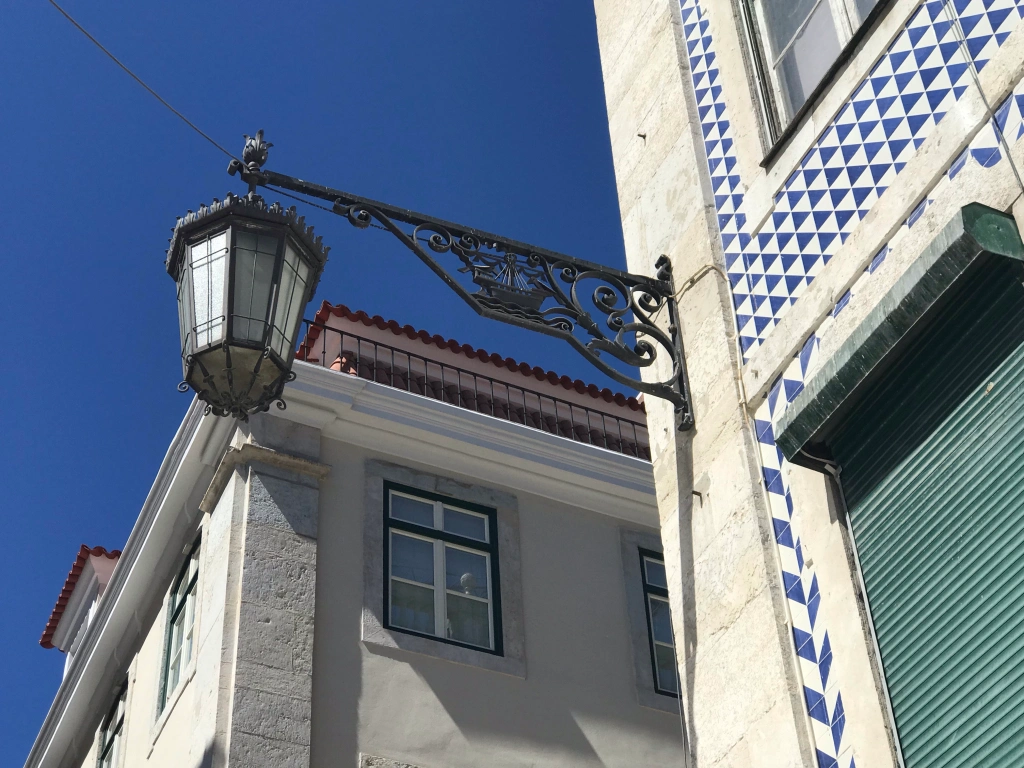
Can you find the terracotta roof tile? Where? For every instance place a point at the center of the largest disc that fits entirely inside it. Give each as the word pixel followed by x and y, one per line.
pixel 84 553
pixel 340 310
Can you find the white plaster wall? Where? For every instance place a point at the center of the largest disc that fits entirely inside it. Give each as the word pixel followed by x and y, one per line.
pixel 577 705
pixel 189 734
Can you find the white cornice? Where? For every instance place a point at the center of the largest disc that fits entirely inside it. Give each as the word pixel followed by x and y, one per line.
pixel 429 432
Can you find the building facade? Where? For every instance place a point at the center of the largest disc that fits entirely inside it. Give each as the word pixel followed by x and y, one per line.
pixel 836 185
pixel 435 556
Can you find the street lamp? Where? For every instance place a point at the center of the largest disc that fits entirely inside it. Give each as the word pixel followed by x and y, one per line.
pixel 245 273
pixel 237 351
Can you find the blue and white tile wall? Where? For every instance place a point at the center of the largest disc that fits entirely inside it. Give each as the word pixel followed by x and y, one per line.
pixel 866 146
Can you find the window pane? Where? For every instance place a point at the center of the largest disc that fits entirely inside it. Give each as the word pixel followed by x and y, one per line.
pixel 254 273
pixel 179 594
pixel 218 266
pixel 655 573
pixel 246 239
pixel 207 260
pixel 185 311
pixel 190 621
pixel 864 8
pixel 465 524
pixel 784 18
pixel 465 572
pixel 172 675
pixel 665 665
pixel 294 277
pixel 468 621
pixel 813 52
pixel 412 510
pixel 267 244
pixel 201 292
pixel 284 293
pixel 661 619
pixel 412 607
pixel 412 559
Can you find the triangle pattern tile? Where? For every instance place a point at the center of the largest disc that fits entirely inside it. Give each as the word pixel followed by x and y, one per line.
pixel 855 160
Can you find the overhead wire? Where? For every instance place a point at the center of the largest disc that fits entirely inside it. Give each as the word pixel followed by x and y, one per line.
pixel 174 111
pixel 139 80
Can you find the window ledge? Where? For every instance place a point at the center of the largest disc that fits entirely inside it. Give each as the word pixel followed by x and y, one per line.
pixel 659 701
pixel 172 701
pixel 374 634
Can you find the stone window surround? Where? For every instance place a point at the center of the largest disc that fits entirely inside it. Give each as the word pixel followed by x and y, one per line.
pixel 632 541
pixel 374 631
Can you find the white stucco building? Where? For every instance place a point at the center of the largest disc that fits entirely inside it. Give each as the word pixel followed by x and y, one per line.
pixel 384 574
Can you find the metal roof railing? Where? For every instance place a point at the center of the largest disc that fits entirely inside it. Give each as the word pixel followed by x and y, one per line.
pixel 372 360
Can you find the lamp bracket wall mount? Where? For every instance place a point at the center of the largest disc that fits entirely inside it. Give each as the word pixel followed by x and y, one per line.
pixel 598 310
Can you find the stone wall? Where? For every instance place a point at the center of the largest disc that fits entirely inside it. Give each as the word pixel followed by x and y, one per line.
pixel 271 710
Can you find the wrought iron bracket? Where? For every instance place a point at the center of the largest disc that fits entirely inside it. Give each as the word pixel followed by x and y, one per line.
pixel 596 309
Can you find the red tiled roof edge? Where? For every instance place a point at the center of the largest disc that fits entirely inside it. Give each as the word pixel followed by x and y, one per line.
pixel 549 377
pixel 69 586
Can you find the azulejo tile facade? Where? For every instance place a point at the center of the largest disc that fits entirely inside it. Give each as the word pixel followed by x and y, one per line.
pixel 856 158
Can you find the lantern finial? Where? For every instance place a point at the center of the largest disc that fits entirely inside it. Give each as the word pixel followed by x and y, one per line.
pixel 256 150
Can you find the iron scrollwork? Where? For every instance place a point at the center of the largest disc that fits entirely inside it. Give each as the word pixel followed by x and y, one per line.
pixel 598 310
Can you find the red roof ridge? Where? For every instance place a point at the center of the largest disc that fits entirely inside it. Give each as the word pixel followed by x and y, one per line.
pixel 69 586
pixel 550 377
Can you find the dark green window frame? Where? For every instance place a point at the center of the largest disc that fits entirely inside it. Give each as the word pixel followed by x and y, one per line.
pixel 488 549
pixel 658 592
pixel 181 606
pixel 112 730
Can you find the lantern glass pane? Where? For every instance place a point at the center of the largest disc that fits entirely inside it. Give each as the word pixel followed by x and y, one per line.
pixel 291 301
pixel 208 262
pixel 254 257
pixel 185 312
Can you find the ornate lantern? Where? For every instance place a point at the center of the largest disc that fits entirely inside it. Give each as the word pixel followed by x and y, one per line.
pixel 245 273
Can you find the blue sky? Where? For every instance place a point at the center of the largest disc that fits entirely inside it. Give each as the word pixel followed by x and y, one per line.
pixel 486 113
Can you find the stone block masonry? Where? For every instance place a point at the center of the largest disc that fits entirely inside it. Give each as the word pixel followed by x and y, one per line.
pixel 271 711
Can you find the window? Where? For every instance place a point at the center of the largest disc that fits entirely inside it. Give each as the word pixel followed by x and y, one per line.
pixel 441 569
pixel 181 614
pixel 110 731
pixel 659 623
pixel 799 42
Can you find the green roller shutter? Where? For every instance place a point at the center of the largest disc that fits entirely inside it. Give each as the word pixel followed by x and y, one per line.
pixel 932 461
